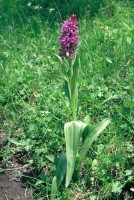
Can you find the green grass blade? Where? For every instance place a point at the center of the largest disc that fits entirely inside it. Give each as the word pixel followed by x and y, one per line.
pixel 95 132
pixel 59 175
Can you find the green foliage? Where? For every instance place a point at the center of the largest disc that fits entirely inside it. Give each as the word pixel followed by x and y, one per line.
pixel 32 109
pixel 70 162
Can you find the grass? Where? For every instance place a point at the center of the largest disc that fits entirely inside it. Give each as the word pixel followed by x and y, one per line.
pixel 33 111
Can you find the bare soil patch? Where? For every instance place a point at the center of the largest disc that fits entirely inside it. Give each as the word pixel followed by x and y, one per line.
pixel 10 189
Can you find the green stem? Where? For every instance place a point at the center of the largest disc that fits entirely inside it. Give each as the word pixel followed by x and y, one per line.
pixel 71 88
pixel 74 116
pixel 74 94
pixel 74 99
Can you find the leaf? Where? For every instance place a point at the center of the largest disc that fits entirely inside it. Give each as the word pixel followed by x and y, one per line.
pixel 72 132
pixel 39 182
pixel 53 159
pixel 14 141
pixel 60 59
pixel 95 132
pixel 43 177
pixel 85 132
pixel 132 189
pixel 67 90
pixel 54 188
pixel 117 187
pixel 109 60
pixel 128 172
pixel 87 119
pixel 59 175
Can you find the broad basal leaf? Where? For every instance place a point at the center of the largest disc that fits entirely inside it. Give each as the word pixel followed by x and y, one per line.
pixel 59 175
pixel 92 136
pixel 73 132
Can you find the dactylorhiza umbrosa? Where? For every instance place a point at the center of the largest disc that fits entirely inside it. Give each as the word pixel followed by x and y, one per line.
pixel 69 162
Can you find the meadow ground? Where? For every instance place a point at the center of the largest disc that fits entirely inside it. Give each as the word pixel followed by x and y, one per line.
pixel 33 109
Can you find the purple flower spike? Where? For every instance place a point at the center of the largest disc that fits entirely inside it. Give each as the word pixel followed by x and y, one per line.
pixel 69 38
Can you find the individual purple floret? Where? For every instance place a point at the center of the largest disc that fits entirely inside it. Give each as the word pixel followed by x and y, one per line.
pixel 69 38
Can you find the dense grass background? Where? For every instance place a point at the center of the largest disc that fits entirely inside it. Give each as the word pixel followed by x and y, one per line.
pixel 33 110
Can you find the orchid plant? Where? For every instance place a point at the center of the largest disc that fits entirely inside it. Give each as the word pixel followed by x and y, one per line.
pixel 76 132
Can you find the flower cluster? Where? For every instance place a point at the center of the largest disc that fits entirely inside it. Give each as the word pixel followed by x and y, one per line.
pixel 69 38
